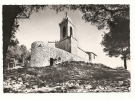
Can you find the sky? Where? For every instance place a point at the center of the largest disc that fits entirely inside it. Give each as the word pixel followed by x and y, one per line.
pixel 44 26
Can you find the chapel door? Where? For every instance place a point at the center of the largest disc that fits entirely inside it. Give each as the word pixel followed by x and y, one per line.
pixel 51 61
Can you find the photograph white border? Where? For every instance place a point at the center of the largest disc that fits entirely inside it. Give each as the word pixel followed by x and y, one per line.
pixel 73 96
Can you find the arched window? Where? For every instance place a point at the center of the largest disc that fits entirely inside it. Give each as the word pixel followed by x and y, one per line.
pixel 71 31
pixel 64 31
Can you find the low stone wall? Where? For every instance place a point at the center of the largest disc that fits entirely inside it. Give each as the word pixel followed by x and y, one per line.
pixel 41 54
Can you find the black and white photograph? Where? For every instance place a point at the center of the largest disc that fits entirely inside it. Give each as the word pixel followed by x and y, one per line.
pixel 66 48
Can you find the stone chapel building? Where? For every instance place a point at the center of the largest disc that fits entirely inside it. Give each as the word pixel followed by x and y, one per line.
pixel 66 49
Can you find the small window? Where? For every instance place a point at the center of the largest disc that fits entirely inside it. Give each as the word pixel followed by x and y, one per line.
pixel 71 31
pixel 64 31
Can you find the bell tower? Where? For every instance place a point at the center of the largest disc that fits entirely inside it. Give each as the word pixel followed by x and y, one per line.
pixel 67 41
pixel 66 28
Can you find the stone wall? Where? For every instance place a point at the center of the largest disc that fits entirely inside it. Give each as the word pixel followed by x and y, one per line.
pixel 41 54
pixel 64 44
pixel 74 46
pixel 83 54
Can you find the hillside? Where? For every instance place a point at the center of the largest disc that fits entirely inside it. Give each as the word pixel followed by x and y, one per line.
pixel 67 77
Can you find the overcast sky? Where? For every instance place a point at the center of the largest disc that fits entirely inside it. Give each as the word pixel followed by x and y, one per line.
pixel 44 26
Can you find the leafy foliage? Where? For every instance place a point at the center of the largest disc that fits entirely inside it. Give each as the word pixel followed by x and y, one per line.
pixel 19 53
pixel 117 41
pixel 25 55
pixel 103 15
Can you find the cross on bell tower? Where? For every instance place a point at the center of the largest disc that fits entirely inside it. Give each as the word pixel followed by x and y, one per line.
pixel 66 14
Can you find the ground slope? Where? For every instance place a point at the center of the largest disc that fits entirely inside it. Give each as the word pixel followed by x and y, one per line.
pixel 67 77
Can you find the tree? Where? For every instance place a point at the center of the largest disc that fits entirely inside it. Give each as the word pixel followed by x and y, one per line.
pixel 13 41
pixel 116 19
pixel 13 52
pixel 103 15
pixel 9 14
pixel 18 53
pixel 25 55
pixel 117 41
pixel 12 55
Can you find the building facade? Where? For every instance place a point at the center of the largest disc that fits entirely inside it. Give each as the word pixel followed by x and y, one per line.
pixel 63 50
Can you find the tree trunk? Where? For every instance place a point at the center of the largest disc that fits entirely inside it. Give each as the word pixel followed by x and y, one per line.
pixel 9 14
pixel 125 62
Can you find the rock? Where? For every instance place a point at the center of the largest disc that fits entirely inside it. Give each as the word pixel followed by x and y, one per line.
pixel 129 88
pixel 101 88
pixel 105 88
pixel 125 90
pixel 7 85
pixel 88 87
pixel 93 87
pixel 79 90
pixel 71 85
pixel 42 90
pixel 41 85
pixel 58 87
pixel 64 89
pixel 108 87
pixel 26 83
pixel 73 91
pixel 80 82
pixel 120 83
pixel 53 91
pixel 34 87
pixel 97 90
pixel 84 91
pixel 13 82
pixel 20 79
pixel 77 85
